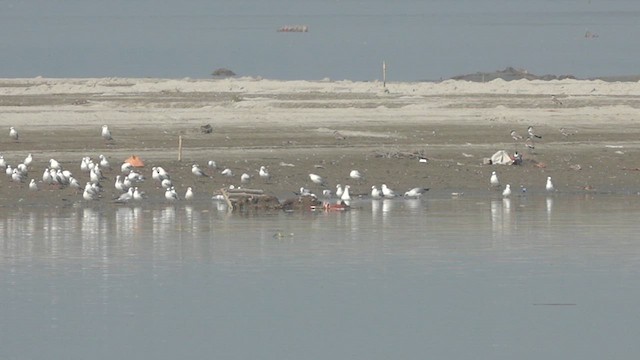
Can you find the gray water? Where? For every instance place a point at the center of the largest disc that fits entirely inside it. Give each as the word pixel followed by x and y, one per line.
pixel 468 278
pixel 348 39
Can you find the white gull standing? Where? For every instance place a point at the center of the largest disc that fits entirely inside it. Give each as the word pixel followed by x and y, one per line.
pixel 106 133
pixel 13 133
pixel 549 187
pixel 345 194
pixel 507 191
pixel 33 186
pixel 189 194
pixel 264 173
pixel 494 182
pixel 386 192
pixel 375 193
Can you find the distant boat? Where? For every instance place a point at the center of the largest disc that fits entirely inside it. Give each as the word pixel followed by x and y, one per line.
pixel 294 28
pixel 590 35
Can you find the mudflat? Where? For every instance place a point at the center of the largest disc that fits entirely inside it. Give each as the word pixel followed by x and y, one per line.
pixel 589 134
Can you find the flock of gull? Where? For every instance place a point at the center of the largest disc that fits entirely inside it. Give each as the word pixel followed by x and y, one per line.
pixel 128 181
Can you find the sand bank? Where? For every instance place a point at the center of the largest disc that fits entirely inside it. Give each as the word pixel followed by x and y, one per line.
pixel 454 124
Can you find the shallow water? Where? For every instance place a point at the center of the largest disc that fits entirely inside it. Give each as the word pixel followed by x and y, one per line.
pixel 473 277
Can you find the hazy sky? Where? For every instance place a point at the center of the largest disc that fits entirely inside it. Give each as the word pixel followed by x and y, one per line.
pixel 419 39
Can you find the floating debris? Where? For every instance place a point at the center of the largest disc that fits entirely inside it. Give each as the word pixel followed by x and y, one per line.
pixel 294 28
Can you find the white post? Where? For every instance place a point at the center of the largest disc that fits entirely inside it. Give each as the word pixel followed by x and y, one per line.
pixel 384 74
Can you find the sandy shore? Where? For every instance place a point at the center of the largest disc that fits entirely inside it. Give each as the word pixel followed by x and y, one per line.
pixel 290 128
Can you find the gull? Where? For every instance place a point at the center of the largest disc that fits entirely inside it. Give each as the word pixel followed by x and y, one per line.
pixel 46 177
pixel 126 167
pixel 95 176
pixel 88 194
pixel 54 164
pixel 170 194
pixel 338 135
pixel 8 170
pixel 28 160
pixel 549 186
pixel 555 100
pixel 106 133
pixel 3 162
pixel 264 173
pixel 375 193
pixel 16 175
pixel 104 162
pixel 345 194
pixel 137 194
pixel 305 192
pixel 189 194
pixel 415 192
pixel 386 192
pixel 119 185
pixel 73 182
pixel 159 174
pixel 339 190
pixel 125 197
pixel 317 179
pixel 515 136
pixel 22 168
pixel 326 193
pixel 33 186
pixel 84 164
pixel 507 191
pixel 212 164
pixel 166 183
pixel 135 176
pixel 532 134
pixel 227 172
pixel 62 177
pixel 244 178
pixel 356 175
pixel 13 133
pixel 195 169
pixel 494 179
pixel 529 143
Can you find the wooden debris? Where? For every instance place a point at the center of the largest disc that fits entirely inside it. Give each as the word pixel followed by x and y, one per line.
pixel 249 200
pixel 400 154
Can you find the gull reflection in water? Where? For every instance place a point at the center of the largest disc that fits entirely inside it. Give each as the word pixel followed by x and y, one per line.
pixel 387 207
pixel 376 206
pixel 549 207
pixel 413 204
pixel 501 216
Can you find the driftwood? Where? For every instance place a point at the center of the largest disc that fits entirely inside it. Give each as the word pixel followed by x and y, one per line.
pixel 245 200
pixel 249 199
pixel 397 154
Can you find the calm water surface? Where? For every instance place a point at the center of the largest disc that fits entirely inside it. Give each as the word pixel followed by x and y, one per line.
pixel 469 278
pixel 348 39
